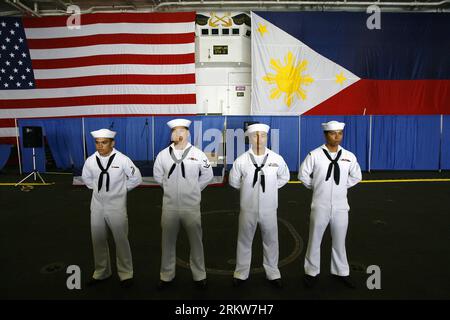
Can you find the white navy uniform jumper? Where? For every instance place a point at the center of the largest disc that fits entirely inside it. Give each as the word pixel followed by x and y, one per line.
pixel 110 178
pixel 258 178
pixel 183 174
pixel 329 175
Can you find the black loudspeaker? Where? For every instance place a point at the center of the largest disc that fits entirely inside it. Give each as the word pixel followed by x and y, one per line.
pixel 32 137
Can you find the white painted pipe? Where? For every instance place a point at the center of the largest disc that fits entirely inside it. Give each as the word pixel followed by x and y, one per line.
pixel 300 3
pixel 21 7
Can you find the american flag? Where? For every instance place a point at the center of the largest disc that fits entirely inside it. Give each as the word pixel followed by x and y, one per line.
pixel 114 64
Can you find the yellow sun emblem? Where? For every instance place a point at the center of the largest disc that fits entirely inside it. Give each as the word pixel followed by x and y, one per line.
pixel 262 29
pixel 288 79
pixel 340 78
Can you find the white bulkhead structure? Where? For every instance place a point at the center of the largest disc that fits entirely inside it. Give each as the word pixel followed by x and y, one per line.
pixel 223 62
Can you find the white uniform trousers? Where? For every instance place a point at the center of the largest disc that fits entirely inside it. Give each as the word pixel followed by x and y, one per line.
pixel 319 220
pixel 170 223
pixel 118 224
pixel 269 232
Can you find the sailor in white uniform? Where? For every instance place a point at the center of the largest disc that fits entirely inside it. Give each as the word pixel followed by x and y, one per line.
pixel 258 173
pixel 329 171
pixel 183 171
pixel 110 174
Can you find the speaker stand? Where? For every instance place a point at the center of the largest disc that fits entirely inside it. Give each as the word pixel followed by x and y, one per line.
pixel 34 173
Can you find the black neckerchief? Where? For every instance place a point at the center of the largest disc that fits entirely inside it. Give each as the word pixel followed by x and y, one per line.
pixel 258 169
pixel 104 171
pixel 334 163
pixel 177 161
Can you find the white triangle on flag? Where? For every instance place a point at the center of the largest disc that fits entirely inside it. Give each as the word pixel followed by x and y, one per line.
pixel 288 77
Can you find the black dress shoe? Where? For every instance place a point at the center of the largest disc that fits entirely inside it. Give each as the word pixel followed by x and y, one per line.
pixel 93 282
pixel 238 282
pixel 163 284
pixel 127 283
pixel 346 280
pixel 201 284
pixel 277 283
pixel 310 281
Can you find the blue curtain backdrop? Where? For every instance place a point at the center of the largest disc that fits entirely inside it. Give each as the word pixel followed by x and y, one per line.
pixel 139 140
pixel 405 142
pixel 355 135
pixel 5 151
pixel 398 142
pixel 65 139
pixel 289 136
pixel 133 138
pixel 445 144
pixel 203 137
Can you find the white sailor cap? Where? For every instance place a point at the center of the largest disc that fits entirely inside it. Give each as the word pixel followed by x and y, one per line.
pixel 179 123
pixel 333 126
pixel 103 133
pixel 257 127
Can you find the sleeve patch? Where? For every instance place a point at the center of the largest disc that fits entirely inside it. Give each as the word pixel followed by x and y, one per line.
pixel 206 164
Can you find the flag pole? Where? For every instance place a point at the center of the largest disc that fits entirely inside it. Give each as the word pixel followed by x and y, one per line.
pixel 84 138
pixel 299 140
pixel 18 146
pixel 440 142
pixel 153 138
pixel 224 146
pixel 370 142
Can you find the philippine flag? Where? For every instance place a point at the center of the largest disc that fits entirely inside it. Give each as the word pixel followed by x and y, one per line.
pixel 331 63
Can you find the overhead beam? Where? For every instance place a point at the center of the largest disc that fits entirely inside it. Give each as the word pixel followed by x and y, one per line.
pixel 22 7
pixel 201 3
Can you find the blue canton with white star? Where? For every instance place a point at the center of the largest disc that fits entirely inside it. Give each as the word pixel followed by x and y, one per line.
pixel 16 71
